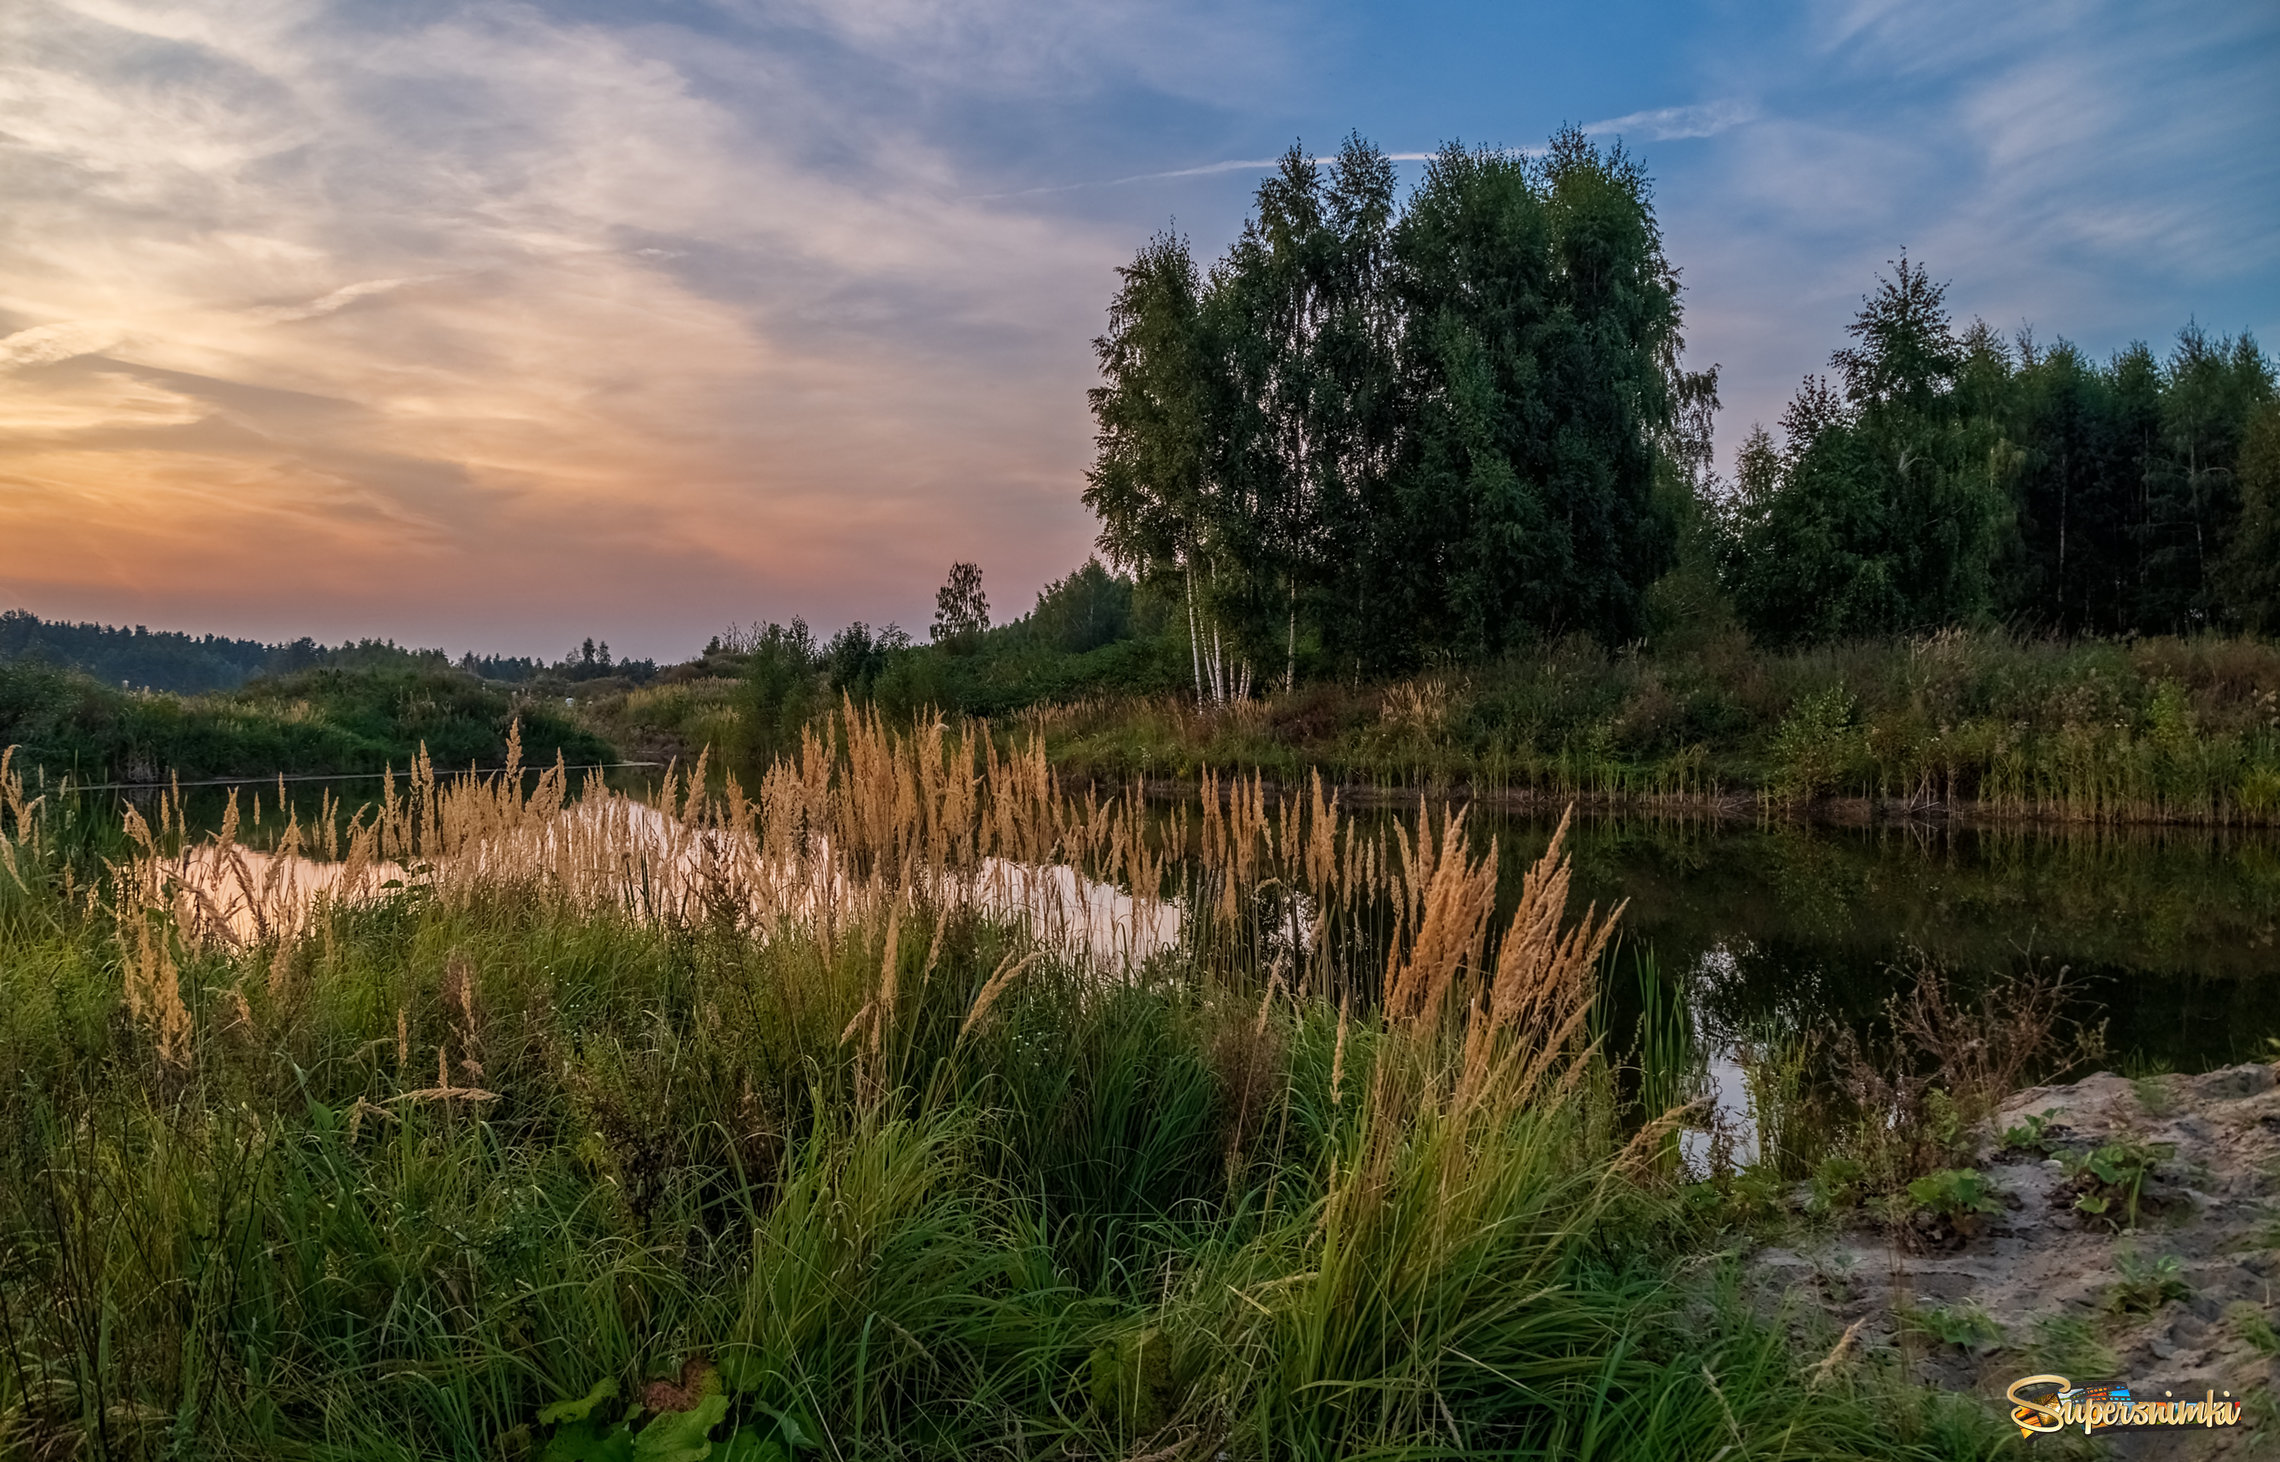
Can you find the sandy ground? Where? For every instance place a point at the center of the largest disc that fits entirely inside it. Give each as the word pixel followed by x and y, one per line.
pixel 2048 1275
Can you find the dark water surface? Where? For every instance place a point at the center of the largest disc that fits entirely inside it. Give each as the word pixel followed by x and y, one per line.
pixel 2170 935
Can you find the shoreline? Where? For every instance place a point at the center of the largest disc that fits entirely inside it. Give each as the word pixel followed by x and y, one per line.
pixel 1724 808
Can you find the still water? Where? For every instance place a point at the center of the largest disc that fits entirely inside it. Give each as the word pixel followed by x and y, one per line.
pixel 2171 936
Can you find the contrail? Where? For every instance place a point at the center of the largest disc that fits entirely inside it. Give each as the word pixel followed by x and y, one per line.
pixel 1663 124
pixel 1229 165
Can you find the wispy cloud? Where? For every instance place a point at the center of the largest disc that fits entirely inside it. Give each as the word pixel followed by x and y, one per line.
pixel 325 304
pixel 496 321
pixel 46 344
pixel 1199 170
pixel 1676 124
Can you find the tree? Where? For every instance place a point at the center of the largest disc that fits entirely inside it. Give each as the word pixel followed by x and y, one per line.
pixel 2251 568
pixel 1090 608
pixel 1310 341
pixel 1889 498
pixel 775 698
pixel 853 660
pixel 961 610
pixel 1375 434
pixel 1541 373
pixel 1160 423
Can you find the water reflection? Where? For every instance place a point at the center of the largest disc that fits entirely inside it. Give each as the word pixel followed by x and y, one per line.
pixel 2171 935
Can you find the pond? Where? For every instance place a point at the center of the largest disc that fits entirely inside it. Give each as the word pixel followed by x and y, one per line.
pixel 2171 936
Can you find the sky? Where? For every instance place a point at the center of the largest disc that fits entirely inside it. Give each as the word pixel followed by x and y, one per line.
pixel 496 325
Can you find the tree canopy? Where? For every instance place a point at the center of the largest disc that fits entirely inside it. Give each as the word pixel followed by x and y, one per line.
pixel 1964 478
pixel 1380 430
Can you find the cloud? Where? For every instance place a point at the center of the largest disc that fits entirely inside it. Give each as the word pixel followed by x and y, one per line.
pixel 2094 168
pixel 45 344
pixel 1673 124
pixel 428 315
pixel 347 294
pixel 1664 124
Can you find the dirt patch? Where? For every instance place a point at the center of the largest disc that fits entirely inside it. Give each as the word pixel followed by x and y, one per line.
pixel 2058 1281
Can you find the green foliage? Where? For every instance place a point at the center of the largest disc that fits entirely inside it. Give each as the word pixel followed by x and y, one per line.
pixel 2071 1345
pixel 1882 513
pixel 1030 1235
pixel 1815 746
pixel 855 659
pixel 582 1408
pixel 2114 1174
pixel 1375 433
pixel 2154 1096
pixel 1136 1380
pixel 2250 573
pixel 2030 1133
pixel 2157 730
pixel 1960 1197
pixel 779 693
pixel 1090 608
pixel 961 609
pixel 1958 477
pixel 1839 1183
pixel 2146 1284
pixel 2254 1326
pixel 324 720
pixel 1966 1325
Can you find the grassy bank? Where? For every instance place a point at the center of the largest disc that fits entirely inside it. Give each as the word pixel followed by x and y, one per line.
pixel 2152 730
pixel 324 720
pixel 678 1136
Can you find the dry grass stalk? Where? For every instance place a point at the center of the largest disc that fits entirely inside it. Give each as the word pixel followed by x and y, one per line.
pixel 1453 895
pixel 154 989
pixel 1009 969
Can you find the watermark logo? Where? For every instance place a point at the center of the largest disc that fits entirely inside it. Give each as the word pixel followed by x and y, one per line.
pixel 2053 1403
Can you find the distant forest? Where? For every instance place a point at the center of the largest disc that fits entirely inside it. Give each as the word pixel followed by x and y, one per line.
pixel 140 658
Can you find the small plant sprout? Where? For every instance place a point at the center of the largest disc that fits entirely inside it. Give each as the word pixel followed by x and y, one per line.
pixel 2146 1284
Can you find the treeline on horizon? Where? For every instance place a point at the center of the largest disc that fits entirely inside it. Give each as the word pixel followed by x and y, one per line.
pixel 140 658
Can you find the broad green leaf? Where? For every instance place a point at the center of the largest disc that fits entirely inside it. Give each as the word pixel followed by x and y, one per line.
pixel 581 1408
pixel 581 1441
pixel 679 1436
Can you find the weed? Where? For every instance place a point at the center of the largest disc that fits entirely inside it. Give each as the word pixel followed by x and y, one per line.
pixel 2070 1345
pixel 2030 1133
pixel 2114 1174
pixel 2251 1324
pixel 1966 1325
pixel 1839 1183
pixel 1953 1204
pixel 2154 1096
pixel 2146 1284
pixel 1922 1093
pixel 1815 746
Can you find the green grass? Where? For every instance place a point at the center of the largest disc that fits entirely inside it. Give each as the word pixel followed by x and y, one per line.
pixel 325 720
pixel 2156 729
pixel 1161 1217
